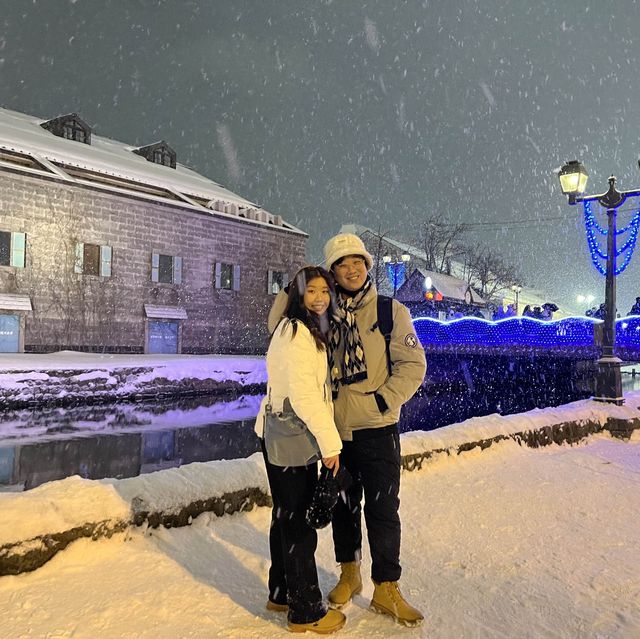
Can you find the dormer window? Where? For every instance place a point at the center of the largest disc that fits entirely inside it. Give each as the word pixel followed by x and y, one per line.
pixel 70 127
pixel 158 153
pixel 72 131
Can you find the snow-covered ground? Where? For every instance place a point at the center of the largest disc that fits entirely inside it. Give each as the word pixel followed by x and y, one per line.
pixel 505 542
pixel 508 542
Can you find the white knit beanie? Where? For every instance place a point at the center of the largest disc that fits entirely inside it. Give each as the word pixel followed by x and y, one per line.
pixel 344 244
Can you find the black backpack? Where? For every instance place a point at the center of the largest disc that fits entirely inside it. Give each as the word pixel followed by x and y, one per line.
pixel 384 324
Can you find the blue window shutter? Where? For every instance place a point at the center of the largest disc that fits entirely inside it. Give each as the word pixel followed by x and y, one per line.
pixel 236 277
pixel 105 261
pixel 218 275
pixel 79 263
pixel 177 270
pixel 155 266
pixel 18 243
pixel 285 280
pixel 270 282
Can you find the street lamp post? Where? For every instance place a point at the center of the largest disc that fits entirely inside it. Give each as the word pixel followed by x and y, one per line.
pixel 395 262
pixel 516 289
pixel 573 181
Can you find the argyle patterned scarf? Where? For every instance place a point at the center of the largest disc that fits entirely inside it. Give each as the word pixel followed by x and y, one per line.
pixel 352 367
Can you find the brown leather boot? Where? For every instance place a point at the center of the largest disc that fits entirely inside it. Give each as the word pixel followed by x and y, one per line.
pixel 349 584
pixel 331 622
pixel 276 607
pixel 388 600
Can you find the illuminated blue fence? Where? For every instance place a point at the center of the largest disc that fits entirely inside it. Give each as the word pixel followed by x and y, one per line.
pixel 571 334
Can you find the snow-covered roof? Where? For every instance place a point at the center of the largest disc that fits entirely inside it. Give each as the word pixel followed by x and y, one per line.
pixel 402 247
pixel 165 312
pixel 23 134
pixel 450 287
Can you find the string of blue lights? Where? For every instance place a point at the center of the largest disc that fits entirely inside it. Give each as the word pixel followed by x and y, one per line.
pixel 626 249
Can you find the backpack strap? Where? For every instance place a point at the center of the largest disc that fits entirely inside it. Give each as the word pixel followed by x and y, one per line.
pixel 385 324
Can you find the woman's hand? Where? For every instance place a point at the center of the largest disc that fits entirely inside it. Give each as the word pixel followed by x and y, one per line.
pixel 332 463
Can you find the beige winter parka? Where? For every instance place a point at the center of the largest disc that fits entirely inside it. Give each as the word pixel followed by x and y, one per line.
pixel 355 407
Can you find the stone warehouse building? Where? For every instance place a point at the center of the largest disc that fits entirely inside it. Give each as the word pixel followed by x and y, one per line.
pixel 109 247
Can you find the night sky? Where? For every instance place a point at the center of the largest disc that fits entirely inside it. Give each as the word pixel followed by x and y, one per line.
pixel 374 112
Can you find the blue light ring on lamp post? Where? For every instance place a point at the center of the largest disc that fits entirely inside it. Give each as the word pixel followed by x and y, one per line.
pixel 396 268
pixel 573 181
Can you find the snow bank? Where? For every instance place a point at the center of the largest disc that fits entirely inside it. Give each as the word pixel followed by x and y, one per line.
pixel 493 427
pixel 168 491
pixel 36 524
pixel 57 507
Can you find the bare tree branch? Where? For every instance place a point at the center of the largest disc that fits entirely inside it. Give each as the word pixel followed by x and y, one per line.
pixel 441 243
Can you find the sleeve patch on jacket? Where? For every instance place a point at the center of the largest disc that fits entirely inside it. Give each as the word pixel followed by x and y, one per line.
pixel 411 340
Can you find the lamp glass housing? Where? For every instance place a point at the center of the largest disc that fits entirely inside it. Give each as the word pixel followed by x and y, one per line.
pixel 573 178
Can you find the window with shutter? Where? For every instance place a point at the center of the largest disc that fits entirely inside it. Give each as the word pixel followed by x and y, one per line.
pixel 93 259
pixel 166 269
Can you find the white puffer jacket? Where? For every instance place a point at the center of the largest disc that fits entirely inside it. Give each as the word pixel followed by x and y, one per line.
pixel 298 370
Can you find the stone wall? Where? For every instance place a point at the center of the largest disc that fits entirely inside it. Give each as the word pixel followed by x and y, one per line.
pixel 82 312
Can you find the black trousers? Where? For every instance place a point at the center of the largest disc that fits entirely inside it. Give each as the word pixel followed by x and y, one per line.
pixel 293 577
pixel 373 459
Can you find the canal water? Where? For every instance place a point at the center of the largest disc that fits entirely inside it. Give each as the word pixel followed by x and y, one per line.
pixel 127 439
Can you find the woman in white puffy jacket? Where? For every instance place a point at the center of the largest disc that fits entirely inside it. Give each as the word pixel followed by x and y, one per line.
pixel 297 369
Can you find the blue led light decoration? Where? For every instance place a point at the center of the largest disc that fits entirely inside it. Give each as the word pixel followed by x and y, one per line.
pixel 396 274
pixel 598 256
pixel 565 334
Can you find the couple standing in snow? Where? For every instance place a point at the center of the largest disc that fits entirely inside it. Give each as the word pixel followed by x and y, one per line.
pixel 328 322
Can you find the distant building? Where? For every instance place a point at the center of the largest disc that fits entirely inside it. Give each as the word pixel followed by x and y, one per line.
pixel 414 284
pixel 109 247
pixel 421 285
pixel 452 289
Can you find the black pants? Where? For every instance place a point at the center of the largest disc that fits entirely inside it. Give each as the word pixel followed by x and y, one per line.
pixel 373 459
pixel 293 577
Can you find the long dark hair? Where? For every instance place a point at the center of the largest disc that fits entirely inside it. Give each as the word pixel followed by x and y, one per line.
pixel 295 310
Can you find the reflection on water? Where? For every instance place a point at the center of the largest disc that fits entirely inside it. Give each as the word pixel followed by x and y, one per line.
pixel 122 440
pixel 125 440
pixel 631 378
